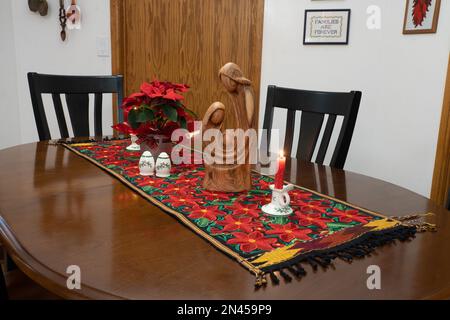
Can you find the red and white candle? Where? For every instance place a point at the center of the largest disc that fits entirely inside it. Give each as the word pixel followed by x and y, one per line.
pixel 279 177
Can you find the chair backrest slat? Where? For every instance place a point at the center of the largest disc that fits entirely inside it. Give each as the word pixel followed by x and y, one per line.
pixel 98 103
pixel 290 126
pixel 60 115
pixel 78 106
pixel 77 90
pixel 309 134
pixel 326 139
pixel 314 105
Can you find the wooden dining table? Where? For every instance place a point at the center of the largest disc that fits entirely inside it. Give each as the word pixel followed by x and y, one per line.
pixel 58 210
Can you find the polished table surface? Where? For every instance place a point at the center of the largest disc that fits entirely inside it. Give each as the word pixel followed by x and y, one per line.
pixel 57 210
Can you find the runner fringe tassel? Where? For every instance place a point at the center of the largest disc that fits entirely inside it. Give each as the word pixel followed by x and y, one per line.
pixel 356 249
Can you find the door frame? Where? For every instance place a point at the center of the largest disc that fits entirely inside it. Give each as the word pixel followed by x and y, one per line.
pixel 117 15
pixel 441 176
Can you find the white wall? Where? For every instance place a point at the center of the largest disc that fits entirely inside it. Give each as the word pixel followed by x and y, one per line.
pixel 9 119
pixel 401 77
pixel 34 45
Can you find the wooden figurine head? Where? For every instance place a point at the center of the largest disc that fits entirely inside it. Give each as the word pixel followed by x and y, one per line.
pixel 231 76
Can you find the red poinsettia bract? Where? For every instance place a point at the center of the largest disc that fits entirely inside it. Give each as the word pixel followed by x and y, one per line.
pixel 157 109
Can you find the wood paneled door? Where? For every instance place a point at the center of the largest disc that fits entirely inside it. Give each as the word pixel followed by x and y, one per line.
pixel 187 41
pixel 441 177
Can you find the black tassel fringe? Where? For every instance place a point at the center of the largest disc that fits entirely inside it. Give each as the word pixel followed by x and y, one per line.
pixel 357 249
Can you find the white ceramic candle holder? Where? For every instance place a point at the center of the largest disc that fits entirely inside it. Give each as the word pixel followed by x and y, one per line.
pixel 279 207
pixel 134 146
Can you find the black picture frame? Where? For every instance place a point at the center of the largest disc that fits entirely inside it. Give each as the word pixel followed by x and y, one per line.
pixel 349 11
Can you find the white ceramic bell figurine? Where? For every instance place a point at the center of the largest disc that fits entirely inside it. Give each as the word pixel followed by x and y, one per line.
pixel 134 146
pixel 163 165
pixel 147 164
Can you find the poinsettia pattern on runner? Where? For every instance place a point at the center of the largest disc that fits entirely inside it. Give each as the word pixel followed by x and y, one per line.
pixel 233 219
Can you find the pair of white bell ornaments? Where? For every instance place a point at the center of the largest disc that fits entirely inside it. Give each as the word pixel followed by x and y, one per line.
pixel 148 166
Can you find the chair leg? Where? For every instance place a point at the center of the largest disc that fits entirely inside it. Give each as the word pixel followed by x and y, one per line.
pixel 10 265
pixel 3 291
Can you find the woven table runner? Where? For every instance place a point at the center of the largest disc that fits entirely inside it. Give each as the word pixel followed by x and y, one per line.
pixel 321 229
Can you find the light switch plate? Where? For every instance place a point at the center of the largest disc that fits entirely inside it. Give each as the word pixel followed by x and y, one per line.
pixel 103 47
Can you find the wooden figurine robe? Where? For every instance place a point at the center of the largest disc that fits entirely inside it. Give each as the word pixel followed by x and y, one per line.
pixel 227 177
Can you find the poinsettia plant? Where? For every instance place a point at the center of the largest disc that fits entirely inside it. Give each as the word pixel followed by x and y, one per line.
pixel 157 109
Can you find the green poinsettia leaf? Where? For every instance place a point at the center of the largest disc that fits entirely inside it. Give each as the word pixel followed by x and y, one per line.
pixel 133 118
pixel 145 115
pixel 170 112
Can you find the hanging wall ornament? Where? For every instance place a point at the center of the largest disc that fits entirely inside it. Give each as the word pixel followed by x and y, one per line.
pixel 40 6
pixel 73 14
pixel 62 19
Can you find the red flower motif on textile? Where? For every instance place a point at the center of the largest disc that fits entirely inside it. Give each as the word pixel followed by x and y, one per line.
pixel 214 196
pixel 289 232
pixel 252 241
pixel 246 209
pixel 349 216
pixel 232 223
pixel 148 182
pixel 312 206
pixel 132 173
pixel 308 219
pixel 176 189
pixel 261 199
pixel 298 196
pixel 113 162
pixel 192 182
pixel 179 201
pixel 209 213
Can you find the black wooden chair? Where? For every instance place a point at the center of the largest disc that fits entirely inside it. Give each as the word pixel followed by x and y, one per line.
pixel 76 90
pixel 314 105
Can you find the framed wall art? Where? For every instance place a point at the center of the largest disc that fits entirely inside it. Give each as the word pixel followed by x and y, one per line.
pixel 421 16
pixel 326 26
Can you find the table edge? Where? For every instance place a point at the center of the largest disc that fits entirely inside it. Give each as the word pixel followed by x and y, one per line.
pixel 44 276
